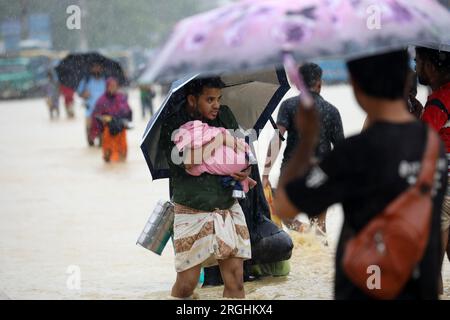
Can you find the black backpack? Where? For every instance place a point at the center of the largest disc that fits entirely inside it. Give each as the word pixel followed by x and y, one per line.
pixel 269 243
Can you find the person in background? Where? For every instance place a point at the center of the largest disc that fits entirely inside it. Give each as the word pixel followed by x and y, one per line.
pixel 109 118
pixel 147 95
pixel 53 95
pixel 91 89
pixel 331 132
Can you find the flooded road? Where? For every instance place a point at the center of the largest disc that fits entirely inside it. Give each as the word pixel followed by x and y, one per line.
pixel 69 222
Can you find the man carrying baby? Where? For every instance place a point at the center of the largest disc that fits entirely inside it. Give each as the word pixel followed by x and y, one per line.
pixel 209 226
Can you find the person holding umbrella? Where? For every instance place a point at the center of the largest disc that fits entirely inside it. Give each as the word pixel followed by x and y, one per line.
pixel 209 226
pixel 366 173
pixel 91 89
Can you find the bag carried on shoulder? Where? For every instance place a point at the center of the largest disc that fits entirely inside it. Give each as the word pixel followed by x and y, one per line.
pixel 396 239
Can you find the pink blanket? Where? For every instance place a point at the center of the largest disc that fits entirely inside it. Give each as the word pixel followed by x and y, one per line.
pixel 215 150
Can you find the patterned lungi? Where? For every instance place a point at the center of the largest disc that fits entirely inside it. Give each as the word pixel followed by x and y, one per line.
pixel 202 238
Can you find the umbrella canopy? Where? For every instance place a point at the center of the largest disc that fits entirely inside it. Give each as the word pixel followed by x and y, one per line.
pixel 254 34
pixel 75 67
pixel 251 97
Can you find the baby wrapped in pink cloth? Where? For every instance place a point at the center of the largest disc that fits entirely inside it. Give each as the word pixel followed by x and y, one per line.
pixel 215 151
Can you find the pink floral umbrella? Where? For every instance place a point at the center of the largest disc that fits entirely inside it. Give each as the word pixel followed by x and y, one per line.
pixel 256 34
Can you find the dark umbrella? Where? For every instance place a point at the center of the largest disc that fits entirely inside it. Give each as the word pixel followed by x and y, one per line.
pixel 75 67
pixel 252 98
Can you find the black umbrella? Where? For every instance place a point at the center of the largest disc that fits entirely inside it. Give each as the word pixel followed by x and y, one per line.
pixel 252 98
pixel 75 67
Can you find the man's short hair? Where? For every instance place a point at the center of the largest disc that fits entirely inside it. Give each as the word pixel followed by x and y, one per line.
pixel 311 74
pixel 440 59
pixel 382 76
pixel 196 86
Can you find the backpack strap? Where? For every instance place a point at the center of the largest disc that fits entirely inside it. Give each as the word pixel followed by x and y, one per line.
pixel 438 103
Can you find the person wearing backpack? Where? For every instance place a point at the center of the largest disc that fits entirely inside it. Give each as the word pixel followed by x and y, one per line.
pixel 433 69
pixel 371 174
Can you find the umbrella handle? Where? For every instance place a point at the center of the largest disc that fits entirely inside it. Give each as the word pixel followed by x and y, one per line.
pixel 292 71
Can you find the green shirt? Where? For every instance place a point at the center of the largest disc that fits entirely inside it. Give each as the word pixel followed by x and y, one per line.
pixel 204 192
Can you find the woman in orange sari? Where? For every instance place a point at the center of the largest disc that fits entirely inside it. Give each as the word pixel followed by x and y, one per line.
pixel 110 118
